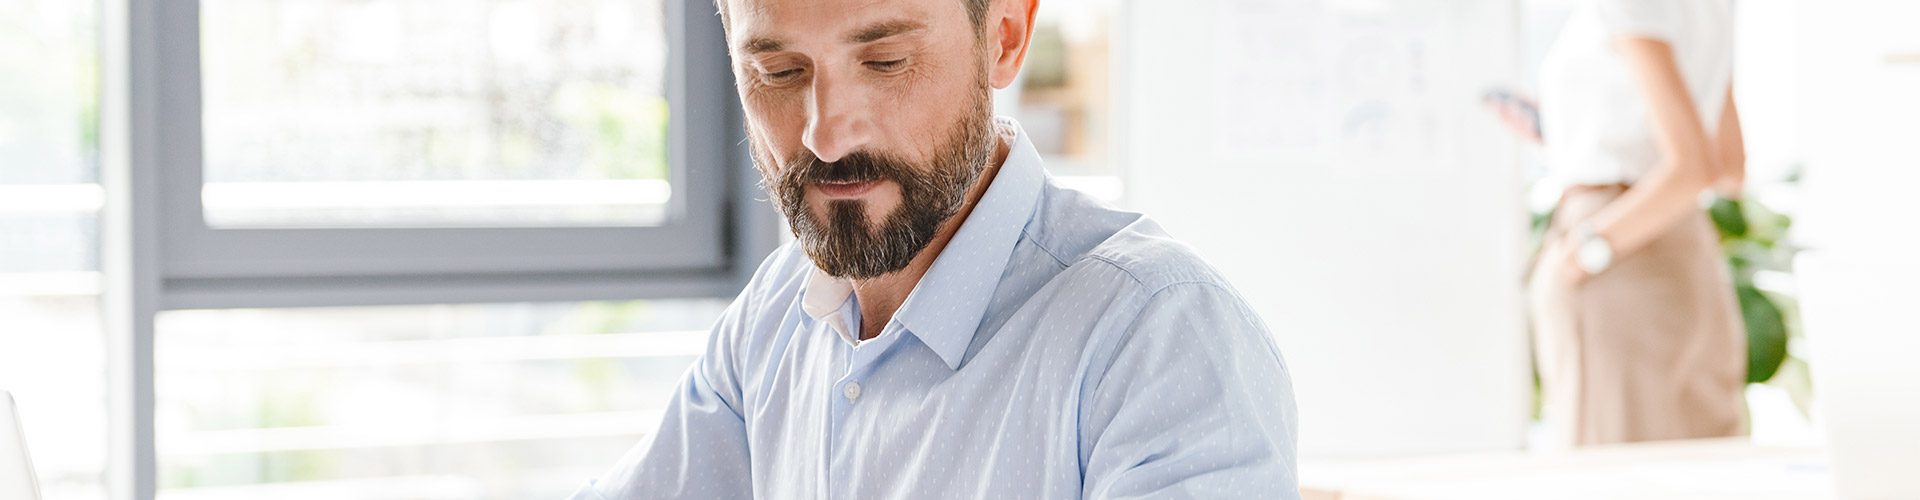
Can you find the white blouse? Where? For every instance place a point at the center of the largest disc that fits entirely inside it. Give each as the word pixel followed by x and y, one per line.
pixel 1595 121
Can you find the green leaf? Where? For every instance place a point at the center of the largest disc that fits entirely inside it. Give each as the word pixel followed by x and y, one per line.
pixel 1728 217
pixel 1766 333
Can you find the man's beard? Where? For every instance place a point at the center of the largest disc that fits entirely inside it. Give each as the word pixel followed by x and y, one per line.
pixel 845 244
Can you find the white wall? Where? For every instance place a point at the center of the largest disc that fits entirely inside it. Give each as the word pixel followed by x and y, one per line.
pixel 1859 103
pixel 1331 158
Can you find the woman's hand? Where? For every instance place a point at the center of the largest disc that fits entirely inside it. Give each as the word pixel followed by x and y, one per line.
pixel 1566 257
pixel 1519 113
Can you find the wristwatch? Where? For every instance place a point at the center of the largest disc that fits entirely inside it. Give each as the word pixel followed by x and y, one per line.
pixel 1594 253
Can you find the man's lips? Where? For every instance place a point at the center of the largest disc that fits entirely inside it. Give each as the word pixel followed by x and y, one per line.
pixel 845 189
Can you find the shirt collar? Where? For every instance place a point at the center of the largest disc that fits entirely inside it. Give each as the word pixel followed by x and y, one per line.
pixel 947 305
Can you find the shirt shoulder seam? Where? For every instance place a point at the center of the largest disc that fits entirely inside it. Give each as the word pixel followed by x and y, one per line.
pixel 1037 243
pixel 1155 289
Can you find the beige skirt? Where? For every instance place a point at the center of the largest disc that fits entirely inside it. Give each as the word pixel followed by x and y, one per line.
pixel 1651 349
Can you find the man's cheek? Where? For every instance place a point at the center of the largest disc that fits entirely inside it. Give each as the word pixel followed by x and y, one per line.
pixel 778 116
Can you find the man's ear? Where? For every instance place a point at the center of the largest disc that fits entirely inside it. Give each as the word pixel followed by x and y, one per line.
pixel 1009 29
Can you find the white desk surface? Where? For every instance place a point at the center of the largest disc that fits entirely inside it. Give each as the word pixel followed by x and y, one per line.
pixel 1705 469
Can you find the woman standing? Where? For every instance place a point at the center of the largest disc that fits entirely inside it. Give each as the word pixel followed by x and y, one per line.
pixel 1637 331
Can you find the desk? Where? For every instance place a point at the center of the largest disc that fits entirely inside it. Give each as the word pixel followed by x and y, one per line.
pixel 1705 469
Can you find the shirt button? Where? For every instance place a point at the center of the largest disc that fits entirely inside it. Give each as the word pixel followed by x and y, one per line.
pixel 852 390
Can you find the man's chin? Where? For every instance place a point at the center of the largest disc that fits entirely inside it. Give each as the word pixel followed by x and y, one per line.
pixel 831 213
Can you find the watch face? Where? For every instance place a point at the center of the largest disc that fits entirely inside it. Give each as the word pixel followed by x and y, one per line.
pixel 1595 255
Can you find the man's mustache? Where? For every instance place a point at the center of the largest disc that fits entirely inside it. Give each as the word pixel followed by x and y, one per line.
pixel 860 166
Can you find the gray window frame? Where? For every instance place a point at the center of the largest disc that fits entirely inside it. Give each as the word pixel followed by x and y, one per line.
pixel 205 267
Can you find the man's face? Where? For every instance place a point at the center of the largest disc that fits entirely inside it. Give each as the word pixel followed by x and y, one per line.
pixel 868 120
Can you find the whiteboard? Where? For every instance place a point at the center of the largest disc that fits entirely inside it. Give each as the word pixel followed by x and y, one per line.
pixel 1331 158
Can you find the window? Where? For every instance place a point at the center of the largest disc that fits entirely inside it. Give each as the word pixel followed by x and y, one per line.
pixel 323 152
pixel 52 353
pixel 286 181
pixel 480 401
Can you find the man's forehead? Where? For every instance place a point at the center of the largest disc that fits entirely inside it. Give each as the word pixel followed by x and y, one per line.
pixel 765 25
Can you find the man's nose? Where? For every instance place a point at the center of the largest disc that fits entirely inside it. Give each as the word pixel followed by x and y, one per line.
pixel 838 119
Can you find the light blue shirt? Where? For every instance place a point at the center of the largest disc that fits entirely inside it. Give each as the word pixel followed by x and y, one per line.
pixel 1056 349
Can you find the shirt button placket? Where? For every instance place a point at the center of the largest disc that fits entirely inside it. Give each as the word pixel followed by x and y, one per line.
pixel 851 391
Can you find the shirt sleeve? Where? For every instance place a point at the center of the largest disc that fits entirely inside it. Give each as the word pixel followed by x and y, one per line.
pixel 1659 19
pixel 700 448
pixel 1197 403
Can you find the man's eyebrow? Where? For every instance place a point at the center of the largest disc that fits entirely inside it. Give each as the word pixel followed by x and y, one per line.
pixel 884 29
pixel 871 33
pixel 763 44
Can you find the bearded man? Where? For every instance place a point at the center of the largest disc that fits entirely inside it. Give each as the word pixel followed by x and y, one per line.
pixel 949 323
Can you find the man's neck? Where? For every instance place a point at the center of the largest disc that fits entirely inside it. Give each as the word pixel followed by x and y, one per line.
pixel 881 296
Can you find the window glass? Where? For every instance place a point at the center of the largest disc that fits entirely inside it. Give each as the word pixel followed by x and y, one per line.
pixel 429 113
pixel 481 401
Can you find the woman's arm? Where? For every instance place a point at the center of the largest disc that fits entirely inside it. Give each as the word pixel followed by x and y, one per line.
pixel 1688 164
pixel 1732 147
